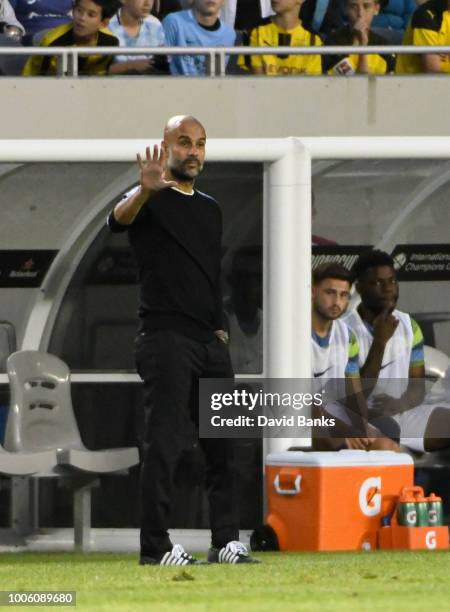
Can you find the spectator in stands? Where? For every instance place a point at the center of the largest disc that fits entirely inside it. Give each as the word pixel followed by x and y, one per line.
pixel 283 29
pixel 395 14
pixel 391 356
pixel 134 26
pixel 243 310
pixel 430 25
pixel 335 356
pixel 39 15
pixel 358 33
pixel 90 18
pixel 244 15
pixel 199 26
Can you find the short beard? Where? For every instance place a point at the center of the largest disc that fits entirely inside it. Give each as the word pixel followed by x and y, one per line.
pixel 177 172
pixel 325 316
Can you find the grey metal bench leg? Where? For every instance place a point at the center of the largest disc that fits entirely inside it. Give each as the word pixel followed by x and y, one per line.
pixel 21 506
pixel 82 516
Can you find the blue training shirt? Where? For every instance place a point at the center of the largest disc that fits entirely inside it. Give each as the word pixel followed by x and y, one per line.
pixel 182 30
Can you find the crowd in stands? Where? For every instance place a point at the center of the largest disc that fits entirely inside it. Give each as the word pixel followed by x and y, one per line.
pixel 228 23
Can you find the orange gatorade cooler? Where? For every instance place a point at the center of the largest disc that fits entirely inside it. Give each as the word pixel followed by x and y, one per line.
pixel 334 500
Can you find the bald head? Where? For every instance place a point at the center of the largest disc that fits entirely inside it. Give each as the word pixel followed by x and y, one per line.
pixel 178 122
pixel 184 145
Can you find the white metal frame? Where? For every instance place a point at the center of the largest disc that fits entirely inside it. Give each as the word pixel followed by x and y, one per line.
pixel 287 226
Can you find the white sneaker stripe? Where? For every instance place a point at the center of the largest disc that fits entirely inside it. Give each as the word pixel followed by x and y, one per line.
pixel 176 556
pixel 233 552
pixel 165 558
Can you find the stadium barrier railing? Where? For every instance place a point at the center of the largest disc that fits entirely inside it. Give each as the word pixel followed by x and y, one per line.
pixel 216 57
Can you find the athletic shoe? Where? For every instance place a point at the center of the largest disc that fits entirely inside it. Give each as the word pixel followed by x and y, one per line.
pixel 233 552
pixel 176 556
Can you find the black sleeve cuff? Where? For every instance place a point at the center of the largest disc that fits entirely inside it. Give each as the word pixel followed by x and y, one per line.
pixel 114 225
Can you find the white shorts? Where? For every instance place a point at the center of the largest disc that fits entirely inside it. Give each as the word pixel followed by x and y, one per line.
pixel 414 422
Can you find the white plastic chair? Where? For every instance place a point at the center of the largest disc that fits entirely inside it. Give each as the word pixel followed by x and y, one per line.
pixel 436 362
pixel 26 464
pixel 41 418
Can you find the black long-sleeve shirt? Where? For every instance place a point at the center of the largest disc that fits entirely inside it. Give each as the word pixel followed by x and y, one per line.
pixel 176 239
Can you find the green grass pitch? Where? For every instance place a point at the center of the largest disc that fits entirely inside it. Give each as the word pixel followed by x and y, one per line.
pixel 372 581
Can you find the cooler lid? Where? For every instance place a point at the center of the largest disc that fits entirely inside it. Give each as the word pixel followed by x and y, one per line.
pixel 342 458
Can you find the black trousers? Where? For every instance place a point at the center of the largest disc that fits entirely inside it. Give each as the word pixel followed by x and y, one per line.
pixel 170 365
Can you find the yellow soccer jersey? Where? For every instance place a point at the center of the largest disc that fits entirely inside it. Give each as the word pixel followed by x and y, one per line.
pixel 62 36
pixel 267 34
pixel 430 25
pixel 344 65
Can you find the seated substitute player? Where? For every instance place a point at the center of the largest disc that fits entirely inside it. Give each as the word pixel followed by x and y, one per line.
pixel 357 33
pixel 430 25
pixel 284 29
pixel 87 29
pixel 199 26
pixel 335 357
pixel 391 356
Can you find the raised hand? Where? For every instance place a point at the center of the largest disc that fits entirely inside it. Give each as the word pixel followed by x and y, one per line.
pixel 361 32
pixel 384 326
pixel 151 170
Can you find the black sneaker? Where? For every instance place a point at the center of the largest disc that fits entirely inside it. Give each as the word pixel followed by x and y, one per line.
pixel 176 556
pixel 233 552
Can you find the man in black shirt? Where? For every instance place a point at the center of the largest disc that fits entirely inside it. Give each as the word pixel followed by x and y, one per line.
pixel 175 233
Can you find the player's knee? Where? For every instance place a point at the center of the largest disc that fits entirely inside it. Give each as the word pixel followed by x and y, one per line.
pixel 385 444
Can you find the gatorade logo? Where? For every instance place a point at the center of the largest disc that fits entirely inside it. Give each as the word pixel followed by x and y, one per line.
pixel 411 517
pixel 430 540
pixel 432 517
pixel 370 496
